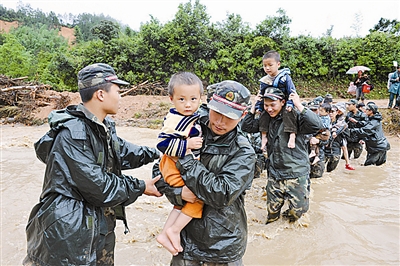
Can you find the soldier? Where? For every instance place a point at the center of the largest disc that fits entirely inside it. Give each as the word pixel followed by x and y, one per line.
pixel 288 169
pixel 375 141
pixel 220 179
pixel 354 119
pixel 84 189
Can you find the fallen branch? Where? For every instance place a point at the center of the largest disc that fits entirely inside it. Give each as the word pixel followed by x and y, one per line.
pixel 21 78
pixel 25 88
pixel 133 88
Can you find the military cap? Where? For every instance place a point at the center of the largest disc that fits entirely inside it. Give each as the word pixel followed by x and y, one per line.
pixel 230 98
pixel 96 74
pixel 273 94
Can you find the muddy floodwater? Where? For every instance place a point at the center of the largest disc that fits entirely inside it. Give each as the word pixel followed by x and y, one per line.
pixel 354 216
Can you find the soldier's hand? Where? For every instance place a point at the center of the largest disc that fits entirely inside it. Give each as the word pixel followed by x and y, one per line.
pixel 151 189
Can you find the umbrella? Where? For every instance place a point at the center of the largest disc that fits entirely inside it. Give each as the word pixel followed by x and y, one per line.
pixel 355 69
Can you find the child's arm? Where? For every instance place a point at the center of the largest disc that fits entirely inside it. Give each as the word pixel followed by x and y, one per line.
pixel 289 88
pixel 194 143
pixel 285 83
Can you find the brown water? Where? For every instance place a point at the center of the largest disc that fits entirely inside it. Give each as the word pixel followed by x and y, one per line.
pixel 354 216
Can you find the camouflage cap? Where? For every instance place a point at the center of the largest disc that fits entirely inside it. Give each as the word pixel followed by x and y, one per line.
pixel 96 74
pixel 211 90
pixel 313 106
pixel 372 107
pixel 273 94
pixel 230 99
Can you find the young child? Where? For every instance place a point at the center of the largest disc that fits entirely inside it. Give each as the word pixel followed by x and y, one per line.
pixel 180 134
pixel 324 133
pixel 279 79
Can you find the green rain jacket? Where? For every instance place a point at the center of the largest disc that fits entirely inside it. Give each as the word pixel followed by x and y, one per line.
pixel 286 163
pixel 221 177
pixel 84 190
pixel 373 135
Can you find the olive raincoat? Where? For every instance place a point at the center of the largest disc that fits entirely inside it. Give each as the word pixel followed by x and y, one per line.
pixel 84 190
pixel 221 177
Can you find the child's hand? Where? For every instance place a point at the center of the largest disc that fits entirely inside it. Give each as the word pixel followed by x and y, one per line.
pixel 314 140
pixel 289 108
pixel 296 101
pixel 294 97
pixel 194 143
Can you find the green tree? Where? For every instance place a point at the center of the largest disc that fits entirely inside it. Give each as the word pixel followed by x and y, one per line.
pixel 106 30
pixel 78 35
pixel 275 27
pixel 15 61
pixel 187 38
pixel 62 71
pixel 151 52
pixel 40 39
pixel 388 26
pixel 86 22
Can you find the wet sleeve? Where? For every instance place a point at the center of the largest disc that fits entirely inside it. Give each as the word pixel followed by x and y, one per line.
pixel 74 161
pixel 309 122
pixel 134 156
pixel 221 189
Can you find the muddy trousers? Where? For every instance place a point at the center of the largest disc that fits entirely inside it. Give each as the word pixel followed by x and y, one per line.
pixel 332 162
pixel 180 261
pixel 377 158
pixel 355 148
pixel 317 170
pixel 296 191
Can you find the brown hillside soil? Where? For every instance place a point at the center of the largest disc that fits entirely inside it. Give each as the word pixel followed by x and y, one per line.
pixel 67 33
pixel 6 26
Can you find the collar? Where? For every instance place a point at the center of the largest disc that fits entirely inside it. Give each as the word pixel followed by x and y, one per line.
pixel 91 116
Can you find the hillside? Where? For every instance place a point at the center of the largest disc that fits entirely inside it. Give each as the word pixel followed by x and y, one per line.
pixel 66 32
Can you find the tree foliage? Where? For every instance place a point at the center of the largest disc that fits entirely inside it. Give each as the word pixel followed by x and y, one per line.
pixel 229 49
pixel 388 26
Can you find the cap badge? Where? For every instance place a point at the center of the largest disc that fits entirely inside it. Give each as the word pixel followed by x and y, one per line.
pixel 230 96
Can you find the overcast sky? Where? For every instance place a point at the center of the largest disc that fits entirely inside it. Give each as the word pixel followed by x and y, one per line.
pixel 308 17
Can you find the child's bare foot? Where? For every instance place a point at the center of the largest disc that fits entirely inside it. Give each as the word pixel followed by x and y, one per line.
pixel 175 238
pixel 166 243
pixel 292 141
pixel 291 144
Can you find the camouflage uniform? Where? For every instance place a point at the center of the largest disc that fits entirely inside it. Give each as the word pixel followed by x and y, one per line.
pixel 288 169
pixel 354 147
pixel 296 191
pixel 317 170
pixel 332 162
